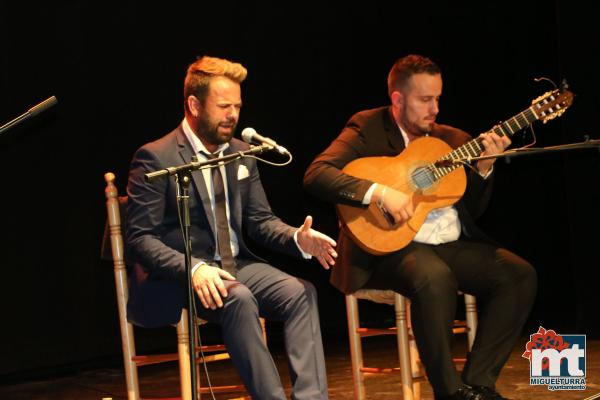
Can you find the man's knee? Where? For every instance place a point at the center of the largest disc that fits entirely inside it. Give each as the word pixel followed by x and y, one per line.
pixel 516 271
pixel 434 280
pixel 301 289
pixel 239 296
pixel 309 288
pixel 301 296
pixel 529 275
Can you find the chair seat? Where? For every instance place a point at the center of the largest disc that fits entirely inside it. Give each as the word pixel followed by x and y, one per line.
pixel 376 295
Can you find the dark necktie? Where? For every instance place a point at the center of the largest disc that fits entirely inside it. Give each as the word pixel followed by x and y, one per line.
pixel 223 239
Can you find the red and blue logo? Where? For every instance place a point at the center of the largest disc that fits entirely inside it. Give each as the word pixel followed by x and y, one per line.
pixel 557 361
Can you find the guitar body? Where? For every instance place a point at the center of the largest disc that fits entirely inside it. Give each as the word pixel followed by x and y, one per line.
pixel 368 227
pixel 436 184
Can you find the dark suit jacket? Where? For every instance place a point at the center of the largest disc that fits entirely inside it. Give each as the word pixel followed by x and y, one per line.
pixel 375 133
pixel 153 235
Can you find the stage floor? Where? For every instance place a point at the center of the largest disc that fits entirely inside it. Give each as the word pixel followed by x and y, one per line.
pixel 162 380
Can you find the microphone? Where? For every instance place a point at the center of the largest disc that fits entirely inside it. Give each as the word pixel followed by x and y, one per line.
pixel 43 106
pixel 249 135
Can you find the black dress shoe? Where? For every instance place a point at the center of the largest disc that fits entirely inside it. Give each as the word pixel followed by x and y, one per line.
pixel 463 393
pixel 488 393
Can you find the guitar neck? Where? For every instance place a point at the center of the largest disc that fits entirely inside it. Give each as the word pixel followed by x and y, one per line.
pixel 474 148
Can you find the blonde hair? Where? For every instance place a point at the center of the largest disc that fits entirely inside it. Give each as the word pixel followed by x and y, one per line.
pixel 201 71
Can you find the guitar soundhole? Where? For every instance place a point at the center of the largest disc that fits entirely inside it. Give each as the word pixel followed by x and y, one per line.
pixel 423 178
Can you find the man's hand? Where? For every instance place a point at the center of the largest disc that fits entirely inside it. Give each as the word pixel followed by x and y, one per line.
pixel 208 283
pixel 316 244
pixel 493 144
pixel 396 203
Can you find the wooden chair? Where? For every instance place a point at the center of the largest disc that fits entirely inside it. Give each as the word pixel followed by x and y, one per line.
pixel 113 236
pixel 410 368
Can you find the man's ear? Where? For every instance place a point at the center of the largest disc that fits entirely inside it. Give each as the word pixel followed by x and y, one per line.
pixel 194 105
pixel 397 99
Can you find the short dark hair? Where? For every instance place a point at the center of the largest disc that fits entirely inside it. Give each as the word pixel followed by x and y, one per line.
pixel 406 67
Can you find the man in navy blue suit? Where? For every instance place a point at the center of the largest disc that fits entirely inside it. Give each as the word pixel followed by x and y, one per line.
pixel 234 287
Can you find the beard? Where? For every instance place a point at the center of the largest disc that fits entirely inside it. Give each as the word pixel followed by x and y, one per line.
pixel 210 132
pixel 415 127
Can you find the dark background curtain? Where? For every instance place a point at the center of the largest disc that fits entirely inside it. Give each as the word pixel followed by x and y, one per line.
pixel 118 72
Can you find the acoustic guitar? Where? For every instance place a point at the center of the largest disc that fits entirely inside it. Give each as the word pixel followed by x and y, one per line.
pixel 432 174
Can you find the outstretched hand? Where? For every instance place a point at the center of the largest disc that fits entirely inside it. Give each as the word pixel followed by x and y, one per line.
pixel 316 244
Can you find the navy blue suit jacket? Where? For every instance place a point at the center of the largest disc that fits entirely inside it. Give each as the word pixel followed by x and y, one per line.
pixel 153 234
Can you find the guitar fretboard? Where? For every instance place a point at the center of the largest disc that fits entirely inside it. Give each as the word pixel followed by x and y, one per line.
pixel 475 147
pixel 545 107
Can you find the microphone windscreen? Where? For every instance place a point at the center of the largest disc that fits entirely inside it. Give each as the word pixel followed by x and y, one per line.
pixel 247 134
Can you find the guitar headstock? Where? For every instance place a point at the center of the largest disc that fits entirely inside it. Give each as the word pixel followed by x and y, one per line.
pixel 552 104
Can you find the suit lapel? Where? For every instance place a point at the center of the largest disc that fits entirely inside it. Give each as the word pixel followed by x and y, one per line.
pixel 395 139
pixel 186 152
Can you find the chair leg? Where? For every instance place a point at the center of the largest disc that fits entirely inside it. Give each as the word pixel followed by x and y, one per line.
pixel 127 338
pixel 471 317
pixel 131 375
pixel 183 349
pixel 415 358
pixel 355 347
pixel 264 329
pixel 406 367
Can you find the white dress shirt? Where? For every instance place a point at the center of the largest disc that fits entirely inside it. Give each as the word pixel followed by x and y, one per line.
pixel 201 151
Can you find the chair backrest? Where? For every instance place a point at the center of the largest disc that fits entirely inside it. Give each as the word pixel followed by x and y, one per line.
pixel 116 206
pixel 113 241
pixel 114 249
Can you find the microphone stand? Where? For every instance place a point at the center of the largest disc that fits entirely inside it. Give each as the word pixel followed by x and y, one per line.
pixel 44 105
pixel 587 144
pixel 183 177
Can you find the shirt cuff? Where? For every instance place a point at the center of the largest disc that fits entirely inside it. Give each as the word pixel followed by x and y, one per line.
pixel 488 173
pixel 195 267
pixel 305 255
pixel 367 199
